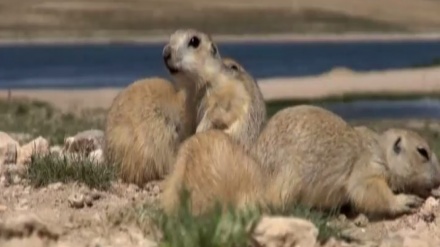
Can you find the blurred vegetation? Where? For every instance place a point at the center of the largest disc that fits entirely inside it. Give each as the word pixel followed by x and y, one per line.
pixel 129 21
pixel 52 168
pixel 40 118
pixel 216 227
pixel 434 63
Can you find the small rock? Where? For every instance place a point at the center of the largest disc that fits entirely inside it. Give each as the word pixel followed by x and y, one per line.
pixel 76 200
pixel 22 205
pixel 3 208
pixel 97 156
pixel 16 179
pixel 8 149
pixel 55 186
pixel 281 231
pixel 361 221
pixel 88 200
pixel 133 188
pixel 84 142
pixel 406 240
pixel 96 195
pixel 38 146
pixel 56 150
pixel 26 225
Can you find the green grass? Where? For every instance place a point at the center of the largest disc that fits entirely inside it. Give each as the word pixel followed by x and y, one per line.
pixel 217 227
pixel 433 63
pixel 40 118
pixel 49 169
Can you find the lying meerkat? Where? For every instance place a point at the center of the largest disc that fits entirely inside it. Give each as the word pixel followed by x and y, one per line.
pixel 317 159
pixel 417 156
pixel 231 100
pixel 211 166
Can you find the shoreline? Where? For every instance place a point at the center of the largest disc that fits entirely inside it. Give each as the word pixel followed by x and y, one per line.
pixel 245 38
pixel 422 81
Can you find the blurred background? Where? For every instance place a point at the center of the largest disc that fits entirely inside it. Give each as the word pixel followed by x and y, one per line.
pixel 374 62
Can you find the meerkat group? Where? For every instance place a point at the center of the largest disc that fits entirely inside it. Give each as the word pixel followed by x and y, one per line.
pixel 207 132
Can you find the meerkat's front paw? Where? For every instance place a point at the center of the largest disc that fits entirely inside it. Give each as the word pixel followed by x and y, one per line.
pixel 406 204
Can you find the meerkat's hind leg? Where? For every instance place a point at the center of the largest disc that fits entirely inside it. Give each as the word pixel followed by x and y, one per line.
pixel 372 196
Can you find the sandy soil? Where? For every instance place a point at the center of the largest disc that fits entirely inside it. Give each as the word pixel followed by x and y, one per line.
pixel 37 217
pixel 335 82
pixel 49 212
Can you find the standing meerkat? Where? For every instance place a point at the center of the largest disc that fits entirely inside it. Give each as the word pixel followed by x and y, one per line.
pixel 317 159
pixel 230 100
pixel 212 167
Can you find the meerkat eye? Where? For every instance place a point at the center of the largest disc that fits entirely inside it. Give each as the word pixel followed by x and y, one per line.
pixel 423 152
pixel 194 42
pixel 396 146
pixel 234 67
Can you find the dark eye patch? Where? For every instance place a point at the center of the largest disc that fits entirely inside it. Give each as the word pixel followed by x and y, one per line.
pixel 234 67
pixel 194 42
pixel 423 152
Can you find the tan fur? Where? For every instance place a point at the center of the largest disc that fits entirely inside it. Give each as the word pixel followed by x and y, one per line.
pixel 211 166
pixel 144 127
pixel 146 123
pixel 409 170
pixel 315 158
pixel 231 100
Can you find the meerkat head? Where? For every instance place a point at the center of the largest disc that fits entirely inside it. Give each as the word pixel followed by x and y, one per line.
pixel 191 55
pixel 413 165
pixel 239 72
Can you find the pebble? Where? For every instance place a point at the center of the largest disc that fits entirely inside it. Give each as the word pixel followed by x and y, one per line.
pixel 3 208
pixel 76 200
pixel 55 186
pixel 361 221
pixel 88 200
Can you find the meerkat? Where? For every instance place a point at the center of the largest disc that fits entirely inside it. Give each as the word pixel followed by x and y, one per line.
pixel 404 175
pixel 231 100
pixel 315 158
pixel 213 168
pixel 145 124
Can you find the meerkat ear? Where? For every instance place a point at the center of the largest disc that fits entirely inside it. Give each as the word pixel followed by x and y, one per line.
pixel 396 147
pixel 423 152
pixel 214 50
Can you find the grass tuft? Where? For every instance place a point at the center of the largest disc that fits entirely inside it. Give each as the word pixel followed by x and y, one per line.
pixel 49 169
pixel 217 227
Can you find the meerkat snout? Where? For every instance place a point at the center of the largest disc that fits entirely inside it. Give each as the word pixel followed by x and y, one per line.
pixel 166 54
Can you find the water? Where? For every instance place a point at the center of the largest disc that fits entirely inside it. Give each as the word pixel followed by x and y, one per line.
pixel 380 109
pixel 93 66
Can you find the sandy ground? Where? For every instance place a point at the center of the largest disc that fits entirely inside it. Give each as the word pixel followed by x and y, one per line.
pixel 337 81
